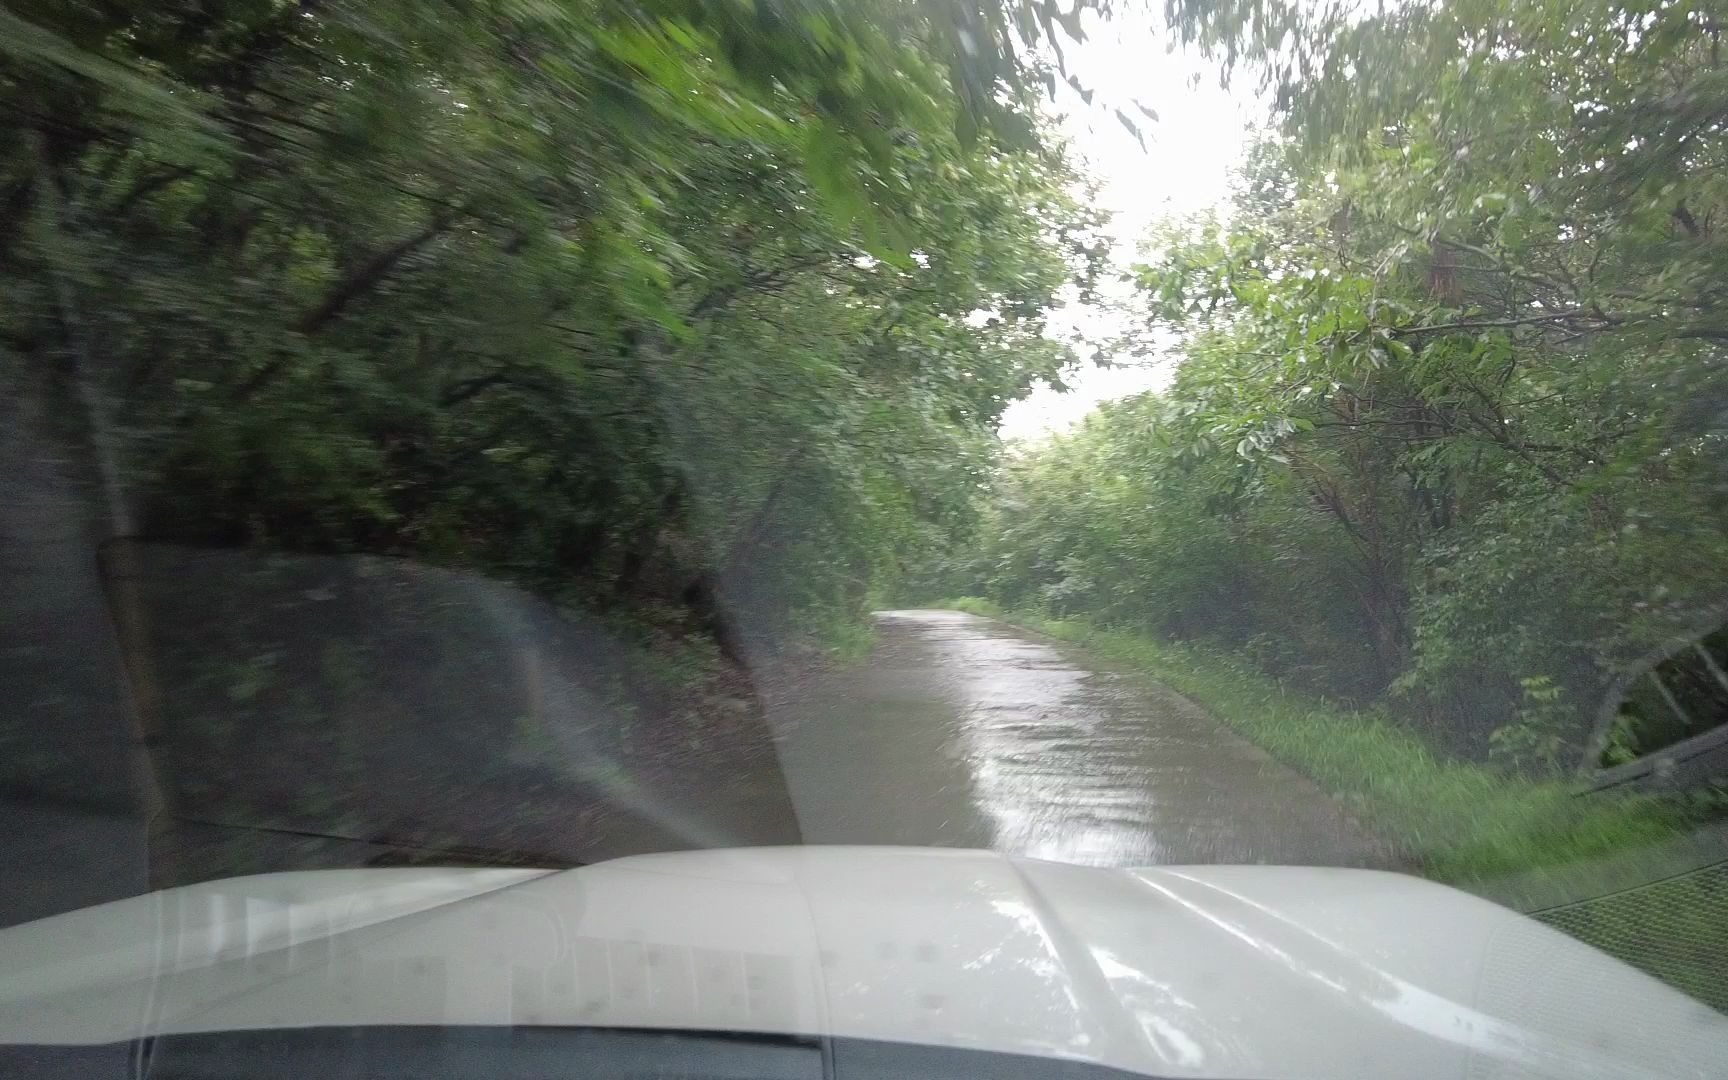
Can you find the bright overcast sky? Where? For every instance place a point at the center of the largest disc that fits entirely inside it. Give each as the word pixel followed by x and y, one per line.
pixel 1190 152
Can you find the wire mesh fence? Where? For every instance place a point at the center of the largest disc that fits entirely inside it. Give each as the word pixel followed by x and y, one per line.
pixel 1675 929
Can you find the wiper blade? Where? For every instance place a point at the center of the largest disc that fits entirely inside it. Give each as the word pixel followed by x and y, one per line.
pixel 406 852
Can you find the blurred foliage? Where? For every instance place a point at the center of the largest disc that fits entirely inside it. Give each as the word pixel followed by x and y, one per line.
pixel 667 308
pixel 1448 427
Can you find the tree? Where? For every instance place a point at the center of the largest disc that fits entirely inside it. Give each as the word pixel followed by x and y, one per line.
pixel 1458 344
pixel 636 302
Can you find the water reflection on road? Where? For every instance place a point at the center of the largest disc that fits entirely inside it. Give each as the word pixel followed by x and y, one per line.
pixel 963 731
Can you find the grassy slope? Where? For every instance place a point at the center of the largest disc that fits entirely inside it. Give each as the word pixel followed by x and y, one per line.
pixel 1455 822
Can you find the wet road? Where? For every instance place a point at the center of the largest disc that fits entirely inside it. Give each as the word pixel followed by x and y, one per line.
pixel 963 731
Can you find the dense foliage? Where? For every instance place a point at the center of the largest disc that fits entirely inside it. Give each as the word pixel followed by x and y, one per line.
pixel 1449 423
pixel 665 307
pixel 704 313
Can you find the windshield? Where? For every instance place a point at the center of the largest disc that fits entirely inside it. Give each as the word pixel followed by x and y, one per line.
pixel 518 436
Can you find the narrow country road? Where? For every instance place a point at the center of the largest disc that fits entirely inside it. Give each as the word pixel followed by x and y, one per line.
pixel 963 731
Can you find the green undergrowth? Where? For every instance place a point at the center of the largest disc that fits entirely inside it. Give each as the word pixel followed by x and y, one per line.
pixel 1453 821
pixel 849 643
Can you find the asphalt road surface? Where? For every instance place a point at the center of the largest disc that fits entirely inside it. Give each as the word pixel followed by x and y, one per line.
pixel 964 731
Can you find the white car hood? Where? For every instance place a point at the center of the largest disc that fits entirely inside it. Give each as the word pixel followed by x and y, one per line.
pixel 1204 972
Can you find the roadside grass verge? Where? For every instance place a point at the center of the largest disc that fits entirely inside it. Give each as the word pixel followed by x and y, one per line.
pixel 849 643
pixel 1457 822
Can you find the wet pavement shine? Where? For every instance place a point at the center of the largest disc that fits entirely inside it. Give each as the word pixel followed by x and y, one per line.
pixel 964 731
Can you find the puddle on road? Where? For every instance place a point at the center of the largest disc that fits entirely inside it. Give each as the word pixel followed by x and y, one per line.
pixel 961 731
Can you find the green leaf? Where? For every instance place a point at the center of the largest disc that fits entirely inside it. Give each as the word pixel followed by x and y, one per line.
pixel 833 170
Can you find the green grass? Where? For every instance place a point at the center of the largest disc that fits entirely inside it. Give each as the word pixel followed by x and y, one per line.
pixel 1456 822
pixel 850 642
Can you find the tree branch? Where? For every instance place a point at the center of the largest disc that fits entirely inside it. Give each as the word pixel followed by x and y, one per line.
pixel 368 275
pixel 148 186
pixel 1488 324
pixel 768 280
pixel 1686 220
